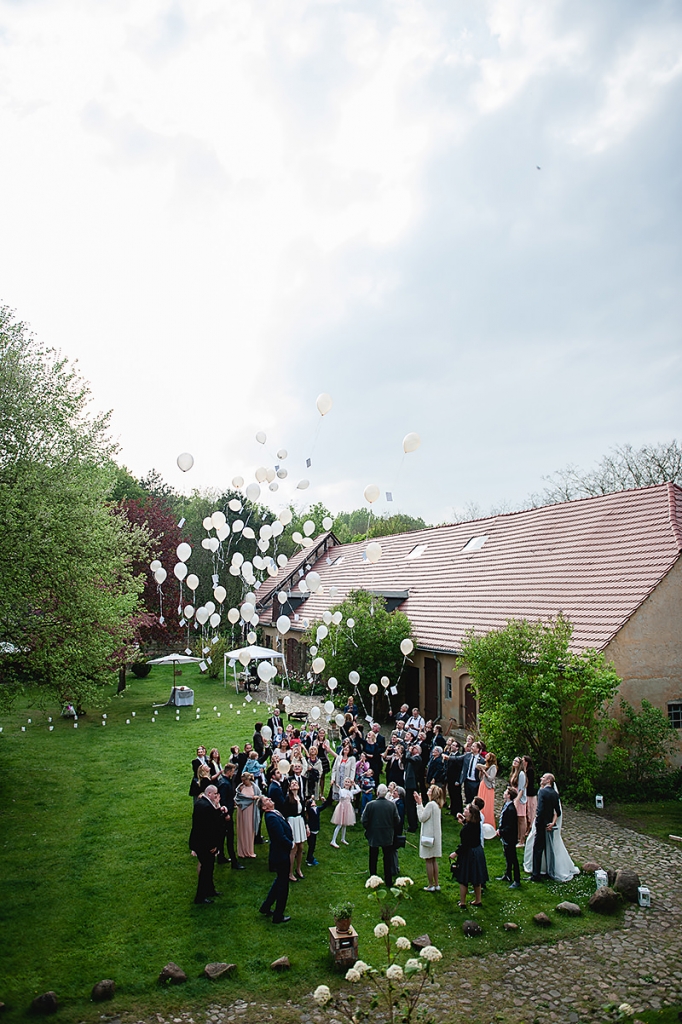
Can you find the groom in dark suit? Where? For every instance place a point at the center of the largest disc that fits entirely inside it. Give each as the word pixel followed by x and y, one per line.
pixel 508 833
pixel 545 820
pixel 470 777
pixel 281 844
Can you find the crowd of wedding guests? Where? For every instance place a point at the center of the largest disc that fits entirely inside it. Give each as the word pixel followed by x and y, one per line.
pixel 289 774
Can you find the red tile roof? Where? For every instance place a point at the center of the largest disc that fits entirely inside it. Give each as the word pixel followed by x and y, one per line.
pixel 595 559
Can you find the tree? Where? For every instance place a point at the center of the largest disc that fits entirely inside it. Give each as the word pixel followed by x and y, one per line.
pixel 622 469
pixel 538 697
pixel 69 591
pixel 371 647
pixel 359 525
pixel 646 739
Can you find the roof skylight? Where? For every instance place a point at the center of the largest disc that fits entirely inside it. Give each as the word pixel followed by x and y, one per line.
pixel 475 544
pixel 417 551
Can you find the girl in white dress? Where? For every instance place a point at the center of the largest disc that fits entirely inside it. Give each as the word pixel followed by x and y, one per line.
pixel 344 814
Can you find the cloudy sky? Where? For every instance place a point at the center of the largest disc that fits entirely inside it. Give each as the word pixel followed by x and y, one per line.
pixel 457 218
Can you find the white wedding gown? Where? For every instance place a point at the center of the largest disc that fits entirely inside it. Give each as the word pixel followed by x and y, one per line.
pixel 556 861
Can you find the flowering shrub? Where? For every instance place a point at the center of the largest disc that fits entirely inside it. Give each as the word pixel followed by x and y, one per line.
pixel 395 988
pixel 387 898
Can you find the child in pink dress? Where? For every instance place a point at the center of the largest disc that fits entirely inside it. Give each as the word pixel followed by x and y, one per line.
pixel 344 814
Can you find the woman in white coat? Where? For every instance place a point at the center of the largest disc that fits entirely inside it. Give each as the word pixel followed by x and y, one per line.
pixel 343 768
pixel 430 838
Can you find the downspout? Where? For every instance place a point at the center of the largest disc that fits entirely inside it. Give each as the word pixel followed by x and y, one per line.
pixel 440 686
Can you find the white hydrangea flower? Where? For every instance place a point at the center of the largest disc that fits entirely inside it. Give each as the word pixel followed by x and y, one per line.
pixel 394 972
pixel 431 954
pixel 626 1009
pixel 402 943
pixel 413 964
pixel 373 882
pixel 353 974
pixel 403 882
pixel 322 995
pixel 381 930
pixel 361 966
pixel 398 922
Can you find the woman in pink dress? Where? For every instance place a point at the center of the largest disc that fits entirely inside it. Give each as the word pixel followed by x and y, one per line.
pixel 248 816
pixel 344 814
pixel 486 790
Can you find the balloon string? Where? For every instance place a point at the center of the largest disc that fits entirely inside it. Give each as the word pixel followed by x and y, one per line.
pixel 315 437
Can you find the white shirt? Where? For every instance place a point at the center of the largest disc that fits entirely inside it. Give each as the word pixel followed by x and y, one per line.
pixel 415 722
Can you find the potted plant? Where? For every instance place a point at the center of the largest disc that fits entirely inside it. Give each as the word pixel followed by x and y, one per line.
pixel 342 913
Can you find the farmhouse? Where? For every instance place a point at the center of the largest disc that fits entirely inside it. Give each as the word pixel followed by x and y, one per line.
pixel 611 564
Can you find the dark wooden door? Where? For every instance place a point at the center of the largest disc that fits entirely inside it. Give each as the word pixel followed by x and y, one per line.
pixel 431 709
pixel 412 686
pixel 470 709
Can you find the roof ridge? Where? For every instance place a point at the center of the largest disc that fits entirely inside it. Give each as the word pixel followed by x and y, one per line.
pixel 675 507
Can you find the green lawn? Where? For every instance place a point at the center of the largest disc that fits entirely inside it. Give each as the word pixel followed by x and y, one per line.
pixel 660 819
pixel 96 880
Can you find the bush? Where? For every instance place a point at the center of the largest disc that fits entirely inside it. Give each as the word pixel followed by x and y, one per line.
pixel 140 669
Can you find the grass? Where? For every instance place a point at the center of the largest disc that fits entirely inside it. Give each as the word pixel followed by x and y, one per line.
pixel 96 880
pixel 659 819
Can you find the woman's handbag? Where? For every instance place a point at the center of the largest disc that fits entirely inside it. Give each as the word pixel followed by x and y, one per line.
pixel 400 842
pixel 427 840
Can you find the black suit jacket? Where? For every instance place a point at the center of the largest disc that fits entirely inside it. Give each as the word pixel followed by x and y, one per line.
pixel 275 723
pixel 466 765
pixel 276 794
pixel 381 820
pixel 281 839
pixel 207 826
pixel 548 803
pixel 509 831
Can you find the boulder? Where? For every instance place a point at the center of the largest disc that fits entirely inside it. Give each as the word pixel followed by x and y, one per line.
pixel 627 883
pixel 173 974
pixel 611 875
pixel 471 928
pixel 590 866
pixel 46 1003
pixel 541 920
pixel 103 990
pixel 421 942
pixel 281 964
pixel 605 900
pixel 217 970
pixel 509 926
pixel 571 909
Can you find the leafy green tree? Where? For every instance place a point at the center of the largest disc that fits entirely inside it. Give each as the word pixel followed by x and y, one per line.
pixel 69 593
pixel 647 738
pixel 371 647
pixel 359 525
pixel 538 697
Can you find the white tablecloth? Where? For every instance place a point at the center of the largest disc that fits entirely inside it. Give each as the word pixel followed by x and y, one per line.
pixel 181 698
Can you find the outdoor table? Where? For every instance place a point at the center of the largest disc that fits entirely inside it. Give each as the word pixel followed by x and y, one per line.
pixel 181 696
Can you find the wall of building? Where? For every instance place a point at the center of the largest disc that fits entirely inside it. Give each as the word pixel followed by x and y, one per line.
pixel 647 652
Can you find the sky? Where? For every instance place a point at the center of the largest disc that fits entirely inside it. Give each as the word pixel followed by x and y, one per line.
pixel 456 218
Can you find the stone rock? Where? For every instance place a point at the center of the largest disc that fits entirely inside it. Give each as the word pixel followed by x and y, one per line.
pixel 471 928
pixel 572 909
pixel 421 942
pixel 216 970
pixel 509 926
pixel 46 1003
pixel 103 990
pixel 281 964
pixel 542 921
pixel 604 901
pixel 611 876
pixel 172 973
pixel 627 883
pixel 590 866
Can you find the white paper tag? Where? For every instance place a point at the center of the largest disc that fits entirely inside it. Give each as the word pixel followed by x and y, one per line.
pixel 394 691
pixel 188 651
pixel 203 666
pixel 248 698
pixel 181 523
pixel 368 718
pixel 210 661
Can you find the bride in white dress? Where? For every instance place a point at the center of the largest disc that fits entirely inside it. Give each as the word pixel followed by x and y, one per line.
pixel 556 860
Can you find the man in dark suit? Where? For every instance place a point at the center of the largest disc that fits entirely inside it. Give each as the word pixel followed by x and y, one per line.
pixel 199 760
pixel 381 822
pixel 276 792
pixel 281 844
pixel 275 723
pixel 226 794
pixel 545 819
pixel 508 833
pixel 413 770
pixel 470 777
pixel 454 771
pixel 205 839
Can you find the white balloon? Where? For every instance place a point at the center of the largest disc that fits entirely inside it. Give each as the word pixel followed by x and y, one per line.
pixel 327 523
pixel 224 532
pixel 329 706
pixel 188 611
pixel 313 580
pixel 285 516
pixel 340 719
pixel 327 618
pixel 297 536
pixel 218 519
pixel 237 482
pixel 247 611
pixel 207 523
pixel 185 461
pixel 270 474
pixel 488 831
pixel 372 492
pixel 266 731
pixel 233 615
pixel 323 403
pixel 309 527
pixel 406 646
pixel 282 561
pixel 350 623
pixel 213 544
pixel 234 570
pixel 287 701
pixel 282 597
pixel 180 570
pixel 322 632
pixel 302 485
pixel 313 650
pixel 354 677
pixel 303 586
pixel 318 665
pixel 265 531
pixel 282 473
pixel 210 607
pixel 183 551
pixel 307 542
pixel 251 637
pixel 160 575
pixel 248 533
pixel 385 681
pixel 263 545
pixel 247 570
pixel 156 564
pixel 234 505
pixel 263 672
pixel 253 492
pixel 274 486
pixel 373 552
pixel 336 618
pixel 277 528
pixel 314 712
pixel 214 620
pixel 334 591
pixel 373 689
pixel 250 597
pixel 261 475
pixel 258 562
pixel 237 526
pixel 220 594
pixel 244 657
pixel 283 766
pixel 206 543
pixel 261 437
pixel 202 616
pixel 332 683
pixel 283 624
pixel 411 442
pixel 237 558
